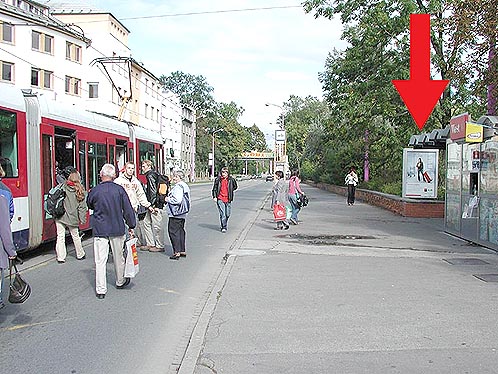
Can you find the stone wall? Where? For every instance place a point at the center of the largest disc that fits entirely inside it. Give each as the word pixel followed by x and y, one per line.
pixel 403 206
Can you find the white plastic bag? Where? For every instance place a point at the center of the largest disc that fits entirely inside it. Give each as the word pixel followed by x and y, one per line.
pixel 131 264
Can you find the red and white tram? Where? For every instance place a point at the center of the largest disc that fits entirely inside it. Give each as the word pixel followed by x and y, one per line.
pixel 36 135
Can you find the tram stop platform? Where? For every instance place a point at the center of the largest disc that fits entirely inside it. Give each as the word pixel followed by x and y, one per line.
pixel 351 289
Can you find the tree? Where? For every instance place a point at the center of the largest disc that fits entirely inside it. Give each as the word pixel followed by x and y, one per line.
pixel 256 139
pixel 194 91
pixel 357 81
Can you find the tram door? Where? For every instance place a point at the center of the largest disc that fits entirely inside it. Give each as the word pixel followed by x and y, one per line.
pixel 121 154
pixel 47 176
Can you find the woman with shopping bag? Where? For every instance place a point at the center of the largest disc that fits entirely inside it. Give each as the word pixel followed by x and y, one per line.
pixel 280 201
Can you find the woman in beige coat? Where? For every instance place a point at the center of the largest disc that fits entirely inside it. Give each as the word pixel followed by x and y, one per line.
pixel 75 213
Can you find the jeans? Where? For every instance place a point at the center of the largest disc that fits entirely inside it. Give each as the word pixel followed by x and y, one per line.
pixel 294 206
pixel 225 210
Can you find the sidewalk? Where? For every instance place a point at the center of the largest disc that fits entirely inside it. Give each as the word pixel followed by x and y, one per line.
pixel 351 289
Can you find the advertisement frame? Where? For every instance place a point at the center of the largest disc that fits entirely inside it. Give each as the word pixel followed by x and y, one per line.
pixel 420 173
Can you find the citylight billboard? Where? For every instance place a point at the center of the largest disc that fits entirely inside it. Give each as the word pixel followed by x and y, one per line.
pixel 420 168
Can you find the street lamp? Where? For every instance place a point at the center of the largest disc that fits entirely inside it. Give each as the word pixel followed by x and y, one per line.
pixel 283 152
pixel 282 125
pixel 213 132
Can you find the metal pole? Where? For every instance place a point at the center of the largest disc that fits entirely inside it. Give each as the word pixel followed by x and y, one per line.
pixel 212 166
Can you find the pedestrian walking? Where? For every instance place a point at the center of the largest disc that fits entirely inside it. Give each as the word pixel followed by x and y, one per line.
pixel 223 187
pixel 294 191
pixel 5 191
pixel 136 194
pixel 153 221
pixel 280 196
pixel 7 249
pixel 111 211
pixel 351 181
pixel 75 210
pixel 176 224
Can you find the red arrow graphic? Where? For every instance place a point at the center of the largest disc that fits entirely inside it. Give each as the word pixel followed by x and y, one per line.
pixel 420 93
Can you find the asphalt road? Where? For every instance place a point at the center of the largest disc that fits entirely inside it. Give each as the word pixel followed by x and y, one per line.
pixel 64 328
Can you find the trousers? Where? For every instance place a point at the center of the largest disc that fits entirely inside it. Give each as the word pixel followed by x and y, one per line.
pixel 176 232
pixel 60 245
pixel 101 251
pixel 225 209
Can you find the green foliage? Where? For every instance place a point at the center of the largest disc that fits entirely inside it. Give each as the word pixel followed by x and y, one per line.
pixel 366 115
pixel 194 90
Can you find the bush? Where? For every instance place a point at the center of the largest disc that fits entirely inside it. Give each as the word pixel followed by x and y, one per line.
pixel 393 188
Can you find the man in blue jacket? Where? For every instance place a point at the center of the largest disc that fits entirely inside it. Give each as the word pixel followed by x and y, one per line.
pixel 111 209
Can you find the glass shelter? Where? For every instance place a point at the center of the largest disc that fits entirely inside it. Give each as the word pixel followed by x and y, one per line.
pixel 471 210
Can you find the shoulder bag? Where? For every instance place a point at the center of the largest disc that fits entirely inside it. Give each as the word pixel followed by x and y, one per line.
pixel 19 288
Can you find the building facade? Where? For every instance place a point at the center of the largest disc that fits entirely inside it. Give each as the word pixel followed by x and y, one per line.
pixel 76 54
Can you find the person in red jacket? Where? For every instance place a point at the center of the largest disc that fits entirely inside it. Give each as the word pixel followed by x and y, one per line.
pixel 223 187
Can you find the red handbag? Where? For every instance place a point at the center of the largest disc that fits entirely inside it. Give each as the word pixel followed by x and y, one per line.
pixel 279 212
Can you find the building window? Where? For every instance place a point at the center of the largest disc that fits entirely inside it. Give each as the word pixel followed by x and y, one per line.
pixel 7 69
pixel 48 46
pixel 146 85
pixel 146 110
pixel 41 42
pixel 93 90
pixel 7 33
pixel 73 52
pixel 41 78
pixel 72 85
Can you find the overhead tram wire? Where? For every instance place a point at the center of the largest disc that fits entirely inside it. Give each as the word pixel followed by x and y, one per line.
pixel 202 13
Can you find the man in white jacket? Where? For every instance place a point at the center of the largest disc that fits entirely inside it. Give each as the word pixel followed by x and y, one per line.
pixel 136 193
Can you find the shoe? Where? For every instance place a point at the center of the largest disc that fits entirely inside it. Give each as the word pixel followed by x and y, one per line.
pixel 277 228
pixel 143 248
pixel 286 227
pixel 175 257
pixel 81 258
pixel 223 230
pixel 183 254
pixel 293 221
pixel 61 261
pixel 100 295
pixel 156 249
pixel 2 305
pixel 126 282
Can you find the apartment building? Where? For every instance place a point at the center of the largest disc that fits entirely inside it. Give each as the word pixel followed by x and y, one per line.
pixel 78 54
pixel 39 52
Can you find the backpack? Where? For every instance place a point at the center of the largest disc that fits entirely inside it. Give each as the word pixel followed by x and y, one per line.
pixel 54 203
pixel 182 208
pixel 162 188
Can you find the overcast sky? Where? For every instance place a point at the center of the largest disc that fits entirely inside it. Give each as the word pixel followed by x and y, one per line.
pixel 249 57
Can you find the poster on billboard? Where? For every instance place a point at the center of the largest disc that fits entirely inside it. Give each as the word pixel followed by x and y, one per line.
pixel 420 168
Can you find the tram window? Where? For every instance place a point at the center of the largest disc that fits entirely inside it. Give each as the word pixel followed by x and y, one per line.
pixel 8 143
pixel 146 152
pixel 97 157
pixel 48 168
pixel 82 156
pixel 111 154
